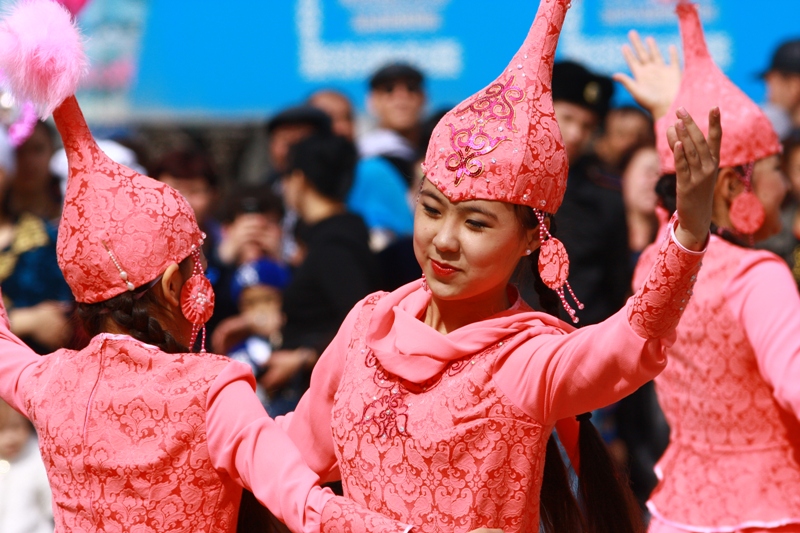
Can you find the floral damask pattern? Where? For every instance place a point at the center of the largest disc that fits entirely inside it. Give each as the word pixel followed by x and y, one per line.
pixel 458 456
pixel 730 464
pixel 145 224
pixel 659 304
pixel 128 451
pixel 505 138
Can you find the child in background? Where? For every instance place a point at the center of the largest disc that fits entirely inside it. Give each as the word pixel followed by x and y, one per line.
pixel 258 289
pixel 24 491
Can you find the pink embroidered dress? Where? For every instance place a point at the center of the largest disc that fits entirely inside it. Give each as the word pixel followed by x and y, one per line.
pixel 731 391
pixel 730 394
pixel 448 432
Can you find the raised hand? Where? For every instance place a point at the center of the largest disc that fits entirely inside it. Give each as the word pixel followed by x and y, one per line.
pixel 654 83
pixel 696 166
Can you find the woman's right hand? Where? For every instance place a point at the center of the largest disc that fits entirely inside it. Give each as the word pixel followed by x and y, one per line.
pixel 696 167
pixel 655 83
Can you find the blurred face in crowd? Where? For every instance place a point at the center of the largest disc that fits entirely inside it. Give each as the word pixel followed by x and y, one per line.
pixel 33 161
pixel 14 432
pixel 577 124
pixel 783 89
pixel 197 191
pixel 792 169
pixel 770 186
pixel 466 249
pixel 282 139
pixel 623 130
pixel 398 105
pixel 639 181
pixel 262 304
pixel 339 108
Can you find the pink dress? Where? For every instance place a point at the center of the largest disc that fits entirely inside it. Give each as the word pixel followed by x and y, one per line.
pixel 138 440
pixel 731 395
pixel 448 432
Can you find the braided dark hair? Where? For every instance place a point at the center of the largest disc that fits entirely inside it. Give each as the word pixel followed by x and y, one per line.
pixel 607 501
pixel 139 313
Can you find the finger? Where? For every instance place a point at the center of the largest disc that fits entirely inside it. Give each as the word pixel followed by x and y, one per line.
pixel 674 59
pixel 714 132
pixel 653 51
pixel 672 137
pixel 630 58
pixel 688 145
pixel 638 46
pixel 698 140
pixel 626 81
pixel 681 164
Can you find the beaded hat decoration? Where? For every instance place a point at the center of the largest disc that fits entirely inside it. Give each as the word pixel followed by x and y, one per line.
pixel 503 143
pixel 119 229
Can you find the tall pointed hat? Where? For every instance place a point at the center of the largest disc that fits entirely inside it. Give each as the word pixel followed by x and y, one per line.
pixel 747 132
pixel 119 229
pixel 503 143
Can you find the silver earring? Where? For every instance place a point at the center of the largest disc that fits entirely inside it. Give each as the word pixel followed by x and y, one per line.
pixel 528 252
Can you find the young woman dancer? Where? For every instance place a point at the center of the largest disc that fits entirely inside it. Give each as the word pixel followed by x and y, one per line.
pixel 136 433
pixel 435 403
pixel 730 391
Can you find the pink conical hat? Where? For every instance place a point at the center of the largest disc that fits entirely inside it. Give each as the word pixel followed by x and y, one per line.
pixel 747 134
pixel 503 143
pixel 119 229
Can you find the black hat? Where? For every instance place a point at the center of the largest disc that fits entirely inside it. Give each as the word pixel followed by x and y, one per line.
pixel 786 58
pixel 303 114
pixel 575 84
pixel 393 72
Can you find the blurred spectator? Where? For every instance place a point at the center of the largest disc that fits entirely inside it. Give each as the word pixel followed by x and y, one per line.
pixel 591 220
pixel 640 173
pixel 624 128
pixel 25 500
pixel 251 230
pixel 35 189
pixel 380 193
pixel 253 334
pixel 787 243
pixel 287 128
pixel 338 270
pixel 339 108
pixel 37 298
pixel 783 88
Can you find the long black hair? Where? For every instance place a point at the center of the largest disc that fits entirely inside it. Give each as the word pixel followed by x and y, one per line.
pixel 605 502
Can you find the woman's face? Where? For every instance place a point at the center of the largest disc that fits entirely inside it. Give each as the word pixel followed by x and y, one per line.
pixel 467 250
pixel 770 186
pixel 639 181
pixel 33 161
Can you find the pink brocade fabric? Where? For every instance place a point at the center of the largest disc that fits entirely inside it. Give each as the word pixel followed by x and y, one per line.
pixel 503 143
pixel 127 452
pixel 341 515
pixel 748 134
pixel 733 462
pixel 451 454
pixel 145 223
pixel 658 307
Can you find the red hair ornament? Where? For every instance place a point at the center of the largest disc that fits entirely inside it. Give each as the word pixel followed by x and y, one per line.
pixel 554 267
pixel 197 300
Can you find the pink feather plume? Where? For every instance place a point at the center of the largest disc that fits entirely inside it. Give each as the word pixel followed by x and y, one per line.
pixel 41 53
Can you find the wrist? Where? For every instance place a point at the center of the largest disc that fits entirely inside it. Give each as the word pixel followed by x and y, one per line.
pixel 691 240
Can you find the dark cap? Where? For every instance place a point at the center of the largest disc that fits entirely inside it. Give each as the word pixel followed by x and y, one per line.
pixel 786 58
pixel 393 72
pixel 303 114
pixel 575 84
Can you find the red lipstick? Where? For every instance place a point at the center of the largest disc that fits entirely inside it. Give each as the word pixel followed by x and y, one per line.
pixel 442 270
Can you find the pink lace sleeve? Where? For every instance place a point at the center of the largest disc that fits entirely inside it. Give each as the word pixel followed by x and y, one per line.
pixel 341 515
pixel 16 359
pixel 658 305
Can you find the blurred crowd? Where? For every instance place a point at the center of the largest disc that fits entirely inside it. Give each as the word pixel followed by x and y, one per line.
pixel 331 221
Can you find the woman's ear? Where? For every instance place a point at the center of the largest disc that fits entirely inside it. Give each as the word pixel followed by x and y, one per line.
pixel 533 236
pixel 171 285
pixel 729 185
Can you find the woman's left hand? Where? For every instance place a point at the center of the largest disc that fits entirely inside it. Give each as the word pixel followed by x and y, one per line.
pixel 696 167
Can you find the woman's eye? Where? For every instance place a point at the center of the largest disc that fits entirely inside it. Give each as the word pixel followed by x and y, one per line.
pixel 476 224
pixel 430 210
